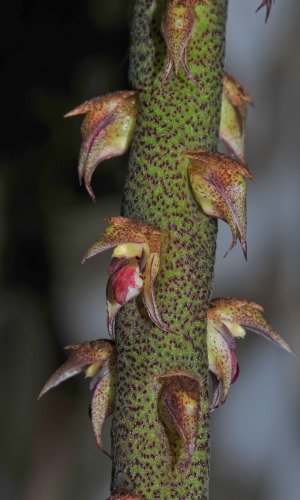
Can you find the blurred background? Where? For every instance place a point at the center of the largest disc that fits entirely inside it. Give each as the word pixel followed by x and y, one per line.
pixel 54 55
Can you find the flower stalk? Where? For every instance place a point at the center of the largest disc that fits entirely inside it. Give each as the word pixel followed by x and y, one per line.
pixel 175 115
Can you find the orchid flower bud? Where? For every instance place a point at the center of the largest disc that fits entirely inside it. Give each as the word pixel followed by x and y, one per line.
pixel 177 28
pixel 220 189
pixel 233 116
pixel 178 409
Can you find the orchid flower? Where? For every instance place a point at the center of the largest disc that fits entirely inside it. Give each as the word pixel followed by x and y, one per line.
pixel 178 409
pixel 134 266
pixel 177 28
pixel 106 130
pixel 98 360
pixel 220 189
pixel 233 116
pixel 227 320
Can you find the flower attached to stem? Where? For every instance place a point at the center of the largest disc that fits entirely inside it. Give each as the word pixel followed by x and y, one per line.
pixel 177 27
pixel 178 409
pixel 268 4
pixel 220 189
pixel 106 130
pixel 233 116
pixel 98 359
pixel 134 266
pixel 227 320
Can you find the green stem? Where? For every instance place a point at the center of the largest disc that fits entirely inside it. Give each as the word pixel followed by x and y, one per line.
pixel 174 117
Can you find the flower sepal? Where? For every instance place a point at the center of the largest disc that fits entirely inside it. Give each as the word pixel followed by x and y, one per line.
pixel 106 130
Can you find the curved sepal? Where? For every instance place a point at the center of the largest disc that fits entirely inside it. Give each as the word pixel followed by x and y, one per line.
pixel 106 130
pixel 121 231
pixel 151 270
pixel 220 189
pixel 112 309
pixel 178 408
pixel 222 362
pixel 233 116
pixel 239 314
pixel 268 4
pixel 177 27
pixel 103 401
pixel 88 354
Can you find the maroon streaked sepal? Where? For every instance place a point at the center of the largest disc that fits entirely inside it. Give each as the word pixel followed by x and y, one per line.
pixel 178 409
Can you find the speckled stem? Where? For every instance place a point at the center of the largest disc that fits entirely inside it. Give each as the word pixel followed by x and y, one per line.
pixel 174 117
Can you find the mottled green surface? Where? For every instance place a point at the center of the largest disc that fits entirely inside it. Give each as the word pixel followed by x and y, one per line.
pixel 174 117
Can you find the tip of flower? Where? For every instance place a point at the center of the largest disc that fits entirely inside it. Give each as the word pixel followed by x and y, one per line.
pixel 85 257
pixel 91 192
pixel 79 110
pixel 244 248
pixel 268 5
pixel 70 113
pixel 43 391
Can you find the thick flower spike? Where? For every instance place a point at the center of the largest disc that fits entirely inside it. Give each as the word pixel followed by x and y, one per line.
pixel 268 4
pixel 227 320
pixel 178 408
pixel 98 359
pixel 106 130
pixel 177 28
pixel 219 187
pixel 233 116
pixel 134 266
